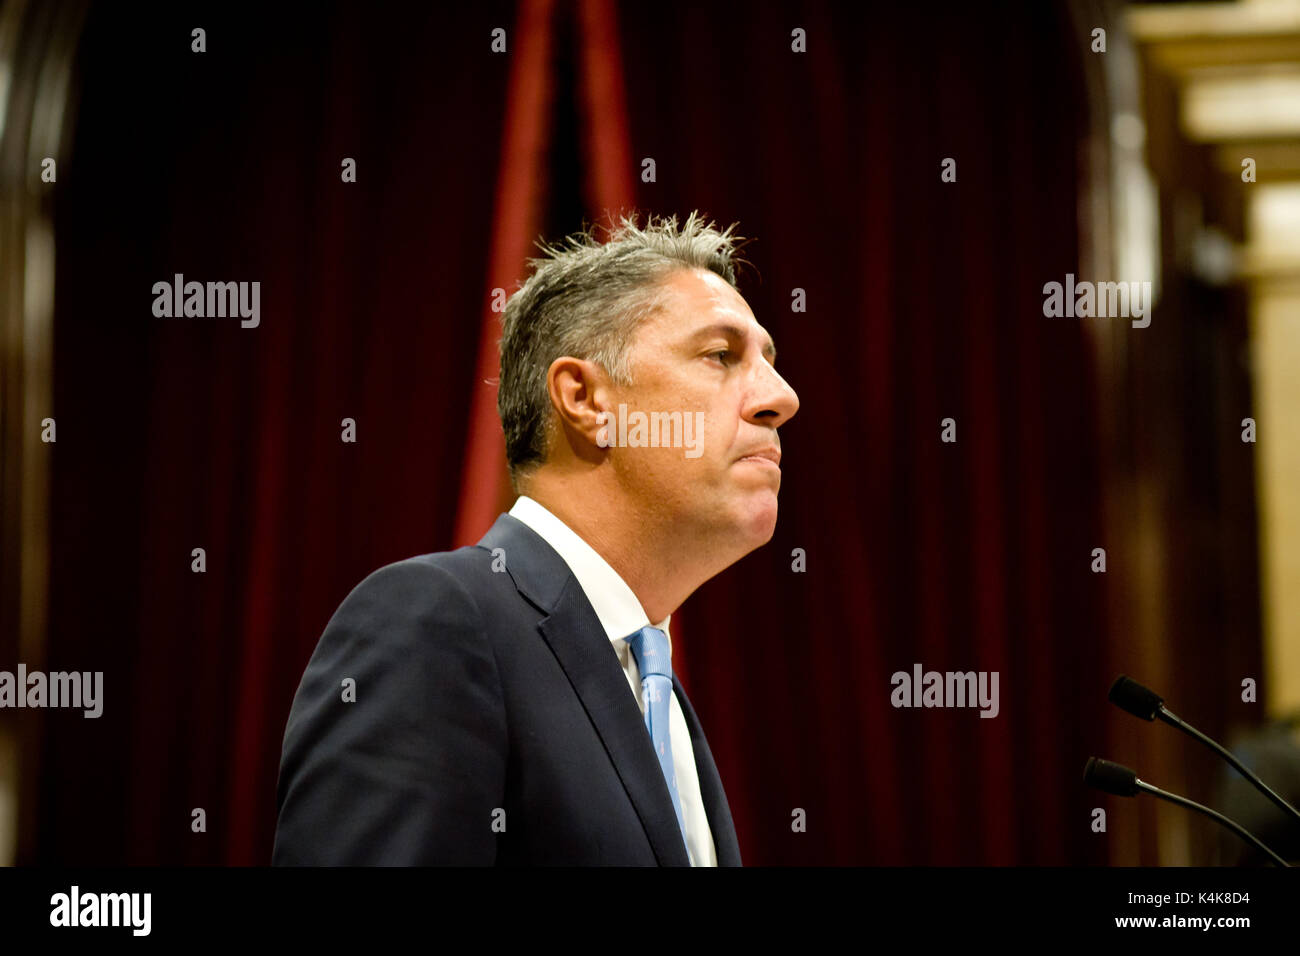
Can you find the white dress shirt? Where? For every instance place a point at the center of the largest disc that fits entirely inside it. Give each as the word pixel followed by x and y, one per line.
pixel 621 615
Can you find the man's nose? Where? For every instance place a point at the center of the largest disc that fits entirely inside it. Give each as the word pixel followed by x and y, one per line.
pixel 773 402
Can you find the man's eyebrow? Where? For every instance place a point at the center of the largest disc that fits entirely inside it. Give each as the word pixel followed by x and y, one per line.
pixel 735 332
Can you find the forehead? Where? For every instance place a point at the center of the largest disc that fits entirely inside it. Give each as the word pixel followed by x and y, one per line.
pixel 699 299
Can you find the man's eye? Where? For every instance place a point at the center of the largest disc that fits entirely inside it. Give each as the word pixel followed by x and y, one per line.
pixel 720 355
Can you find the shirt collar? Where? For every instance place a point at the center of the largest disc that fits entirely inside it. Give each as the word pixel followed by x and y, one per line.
pixel 617 607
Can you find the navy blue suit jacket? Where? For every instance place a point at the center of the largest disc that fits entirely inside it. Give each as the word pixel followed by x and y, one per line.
pixel 492 724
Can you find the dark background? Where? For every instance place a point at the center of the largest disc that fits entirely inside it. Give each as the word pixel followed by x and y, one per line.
pixel 924 302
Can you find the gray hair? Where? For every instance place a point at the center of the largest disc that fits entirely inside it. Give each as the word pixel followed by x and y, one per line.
pixel 586 301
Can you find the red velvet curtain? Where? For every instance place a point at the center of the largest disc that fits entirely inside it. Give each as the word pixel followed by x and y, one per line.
pixel 924 303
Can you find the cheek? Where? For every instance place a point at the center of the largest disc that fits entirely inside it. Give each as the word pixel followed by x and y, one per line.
pixel 705 442
pixel 720 428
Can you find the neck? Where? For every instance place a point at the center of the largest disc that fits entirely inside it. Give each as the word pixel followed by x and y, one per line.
pixel 662 566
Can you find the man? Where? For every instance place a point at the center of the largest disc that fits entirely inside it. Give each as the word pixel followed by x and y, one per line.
pixel 514 702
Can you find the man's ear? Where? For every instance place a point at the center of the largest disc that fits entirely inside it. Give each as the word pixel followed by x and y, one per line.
pixel 580 393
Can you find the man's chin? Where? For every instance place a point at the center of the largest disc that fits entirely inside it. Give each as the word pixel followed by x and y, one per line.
pixel 759 519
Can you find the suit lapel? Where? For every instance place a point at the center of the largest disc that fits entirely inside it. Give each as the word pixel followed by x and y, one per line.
pixel 715 798
pixel 573 632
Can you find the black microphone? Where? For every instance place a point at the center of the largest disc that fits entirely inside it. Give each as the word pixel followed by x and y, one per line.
pixel 1137 700
pixel 1128 694
pixel 1123 782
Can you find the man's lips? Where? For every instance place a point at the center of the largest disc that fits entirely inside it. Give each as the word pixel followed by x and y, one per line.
pixel 768 456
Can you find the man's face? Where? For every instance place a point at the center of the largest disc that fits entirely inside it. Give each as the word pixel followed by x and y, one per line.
pixel 705 356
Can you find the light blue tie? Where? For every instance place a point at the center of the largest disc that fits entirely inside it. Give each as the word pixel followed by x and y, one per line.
pixel 650 645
